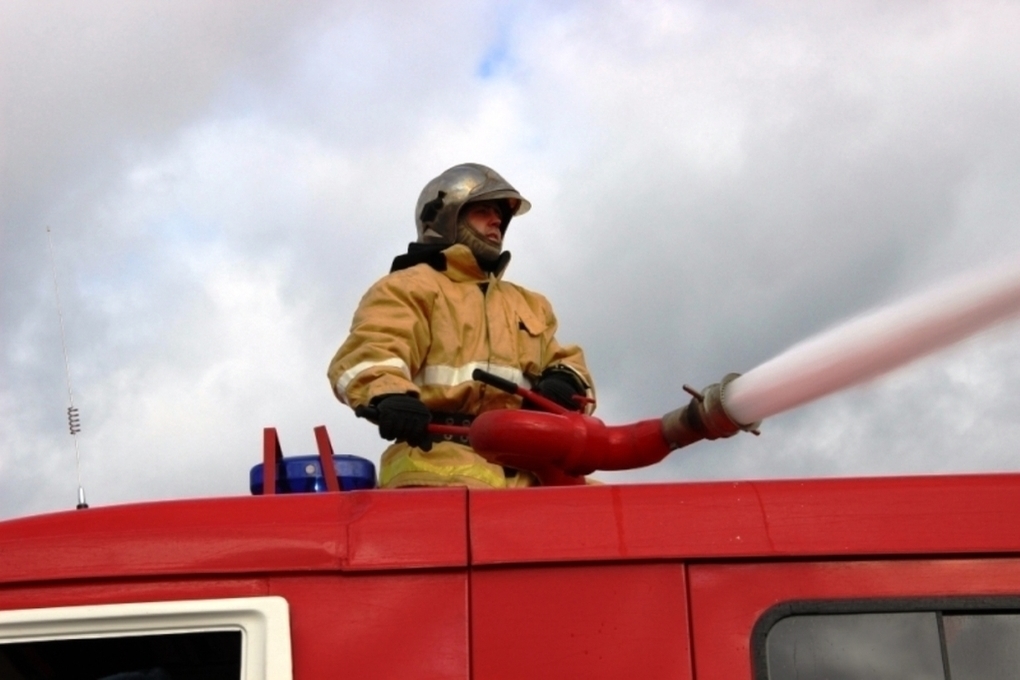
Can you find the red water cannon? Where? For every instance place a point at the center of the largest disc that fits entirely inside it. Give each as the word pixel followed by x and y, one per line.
pixel 562 446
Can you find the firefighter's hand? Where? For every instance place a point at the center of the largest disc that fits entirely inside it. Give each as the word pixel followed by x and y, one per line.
pixel 561 387
pixel 404 418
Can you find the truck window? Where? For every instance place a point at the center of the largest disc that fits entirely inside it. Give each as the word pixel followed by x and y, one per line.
pixel 197 656
pixel 927 645
pixel 982 645
pixel 246 638
pixel 855 647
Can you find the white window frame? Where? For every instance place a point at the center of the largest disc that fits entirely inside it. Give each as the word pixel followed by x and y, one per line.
pixel 264 623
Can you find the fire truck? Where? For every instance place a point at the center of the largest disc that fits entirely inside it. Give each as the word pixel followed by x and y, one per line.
pixel 889 577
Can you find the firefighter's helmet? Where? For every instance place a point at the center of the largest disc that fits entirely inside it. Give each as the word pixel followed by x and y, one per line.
pixel 439 204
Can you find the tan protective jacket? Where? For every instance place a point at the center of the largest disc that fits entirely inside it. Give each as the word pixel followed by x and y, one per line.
pixel 423 331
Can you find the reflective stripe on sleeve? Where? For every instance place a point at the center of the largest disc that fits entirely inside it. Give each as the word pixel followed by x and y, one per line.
pixel 448 376
pixel 350 374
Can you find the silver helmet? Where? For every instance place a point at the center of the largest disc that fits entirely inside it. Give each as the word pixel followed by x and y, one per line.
pixel 440 201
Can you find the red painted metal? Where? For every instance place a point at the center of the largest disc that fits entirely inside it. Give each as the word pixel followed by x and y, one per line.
pixel 271 456
pixel 944 515
pixel 411 625
pixel 326 458
pixel 92 591
pixel 615 621
pixel 351 531
pixel 571 443
pixel 455 430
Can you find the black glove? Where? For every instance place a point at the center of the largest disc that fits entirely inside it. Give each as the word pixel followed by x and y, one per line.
pixel 561 387
pixel 404 418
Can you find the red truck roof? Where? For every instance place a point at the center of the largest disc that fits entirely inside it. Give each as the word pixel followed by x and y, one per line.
pixel 457 583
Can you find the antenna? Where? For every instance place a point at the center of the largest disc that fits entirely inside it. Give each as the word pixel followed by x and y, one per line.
pixel 73 418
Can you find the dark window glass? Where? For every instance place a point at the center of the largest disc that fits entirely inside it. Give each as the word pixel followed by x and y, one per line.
pixel 887 646
pixel 983 646
pixel 179 656
pixel 935 645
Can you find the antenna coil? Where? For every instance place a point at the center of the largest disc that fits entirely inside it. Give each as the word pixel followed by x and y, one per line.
pixel 73 419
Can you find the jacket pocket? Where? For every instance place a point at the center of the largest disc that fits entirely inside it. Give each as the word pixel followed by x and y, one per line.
pixel 530 341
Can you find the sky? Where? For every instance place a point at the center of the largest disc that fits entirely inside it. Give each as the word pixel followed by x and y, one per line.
pixel 711 183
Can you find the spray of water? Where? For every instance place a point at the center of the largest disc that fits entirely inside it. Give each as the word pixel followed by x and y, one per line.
pixel 870 345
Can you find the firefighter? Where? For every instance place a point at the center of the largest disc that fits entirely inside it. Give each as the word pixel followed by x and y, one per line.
pixel 442 311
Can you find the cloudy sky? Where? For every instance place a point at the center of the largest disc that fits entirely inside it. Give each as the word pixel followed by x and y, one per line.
pixel 712 182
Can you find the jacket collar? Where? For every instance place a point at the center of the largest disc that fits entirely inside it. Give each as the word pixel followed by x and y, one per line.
pixel 461 265
pixel 443 257
pixel 456 261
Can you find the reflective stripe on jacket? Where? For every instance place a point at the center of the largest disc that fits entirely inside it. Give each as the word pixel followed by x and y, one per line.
pixel 424 331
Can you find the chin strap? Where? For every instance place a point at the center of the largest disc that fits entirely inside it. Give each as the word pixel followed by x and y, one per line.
pixel 483 251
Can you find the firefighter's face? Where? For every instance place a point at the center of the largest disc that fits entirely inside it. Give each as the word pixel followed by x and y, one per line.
pixel 485 219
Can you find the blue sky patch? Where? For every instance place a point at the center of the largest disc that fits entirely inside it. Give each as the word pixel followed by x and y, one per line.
pixel 497 59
